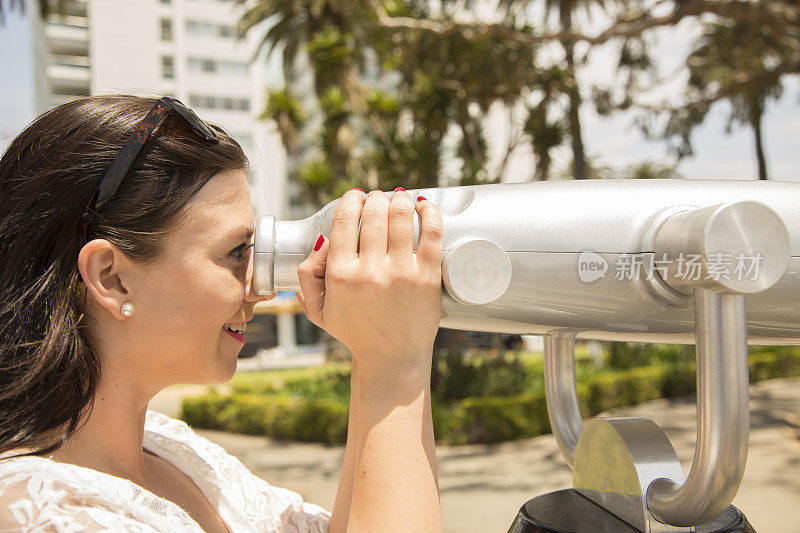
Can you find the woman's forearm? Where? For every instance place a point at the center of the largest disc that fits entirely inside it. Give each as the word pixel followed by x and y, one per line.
pixel 395 485
pixel 344 493
pixel 369 288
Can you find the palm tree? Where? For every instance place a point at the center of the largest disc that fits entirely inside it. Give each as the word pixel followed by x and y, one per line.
pixel 647 169
pixel 566 9
pixel 383 100
pixel 545 135
pixel 45 7
pixel 295 23
pixel 727 51
pixel 285 110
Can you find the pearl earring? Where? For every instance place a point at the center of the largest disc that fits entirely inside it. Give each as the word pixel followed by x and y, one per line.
pixel 126 309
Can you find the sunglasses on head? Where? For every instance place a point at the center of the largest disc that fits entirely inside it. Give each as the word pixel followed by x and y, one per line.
pixel 124 160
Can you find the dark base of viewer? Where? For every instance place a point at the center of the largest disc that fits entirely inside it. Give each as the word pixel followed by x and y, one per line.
pixel 566 511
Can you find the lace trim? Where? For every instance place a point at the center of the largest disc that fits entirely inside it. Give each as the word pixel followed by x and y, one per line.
pixel 243 501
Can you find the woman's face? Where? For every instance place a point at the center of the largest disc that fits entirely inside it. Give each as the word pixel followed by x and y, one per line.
pixel 183 303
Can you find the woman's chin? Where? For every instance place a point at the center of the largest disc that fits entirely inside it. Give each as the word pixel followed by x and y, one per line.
pixel 227 370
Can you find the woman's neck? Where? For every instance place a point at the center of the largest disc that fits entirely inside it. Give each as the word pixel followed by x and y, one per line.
pixel 111 440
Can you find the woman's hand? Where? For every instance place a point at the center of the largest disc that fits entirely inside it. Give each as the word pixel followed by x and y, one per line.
pixel 382 300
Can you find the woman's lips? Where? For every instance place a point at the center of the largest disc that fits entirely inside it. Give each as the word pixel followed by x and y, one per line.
pixel 238 336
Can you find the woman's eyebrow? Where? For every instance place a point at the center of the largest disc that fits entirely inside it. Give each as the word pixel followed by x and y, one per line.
pixel 241 233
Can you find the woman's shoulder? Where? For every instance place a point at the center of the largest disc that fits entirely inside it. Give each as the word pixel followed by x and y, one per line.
pixel 178 442
pixel 160 424
pixel 37 488
pixel 37 493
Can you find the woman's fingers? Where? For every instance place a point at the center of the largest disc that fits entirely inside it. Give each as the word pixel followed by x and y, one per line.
pixel 384 306
pixel 374 226
pixel 344 228
pixel 311 274
pixel 429 250
pixel 301 301
pixel 401 225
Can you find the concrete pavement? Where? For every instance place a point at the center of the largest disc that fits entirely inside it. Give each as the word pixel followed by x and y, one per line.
pixel 483 486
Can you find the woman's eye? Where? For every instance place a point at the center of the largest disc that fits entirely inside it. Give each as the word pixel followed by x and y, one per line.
pixel 238 253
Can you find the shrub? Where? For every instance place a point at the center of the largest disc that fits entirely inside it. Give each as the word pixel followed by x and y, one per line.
pixel 318 421
pixel 203 411
pixel 616 389
pixel 681 379
pixel 336 385
pixel 276 416
pixel 498 419
pixel 623 355
pixel 458 376
pixel 251 414
pixel 318 412
pixel 774 364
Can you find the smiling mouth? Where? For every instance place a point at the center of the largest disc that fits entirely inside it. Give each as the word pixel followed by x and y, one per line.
pixel 237 335
pixel 236 328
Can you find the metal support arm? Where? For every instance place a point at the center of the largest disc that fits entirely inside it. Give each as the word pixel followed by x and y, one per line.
pixel 723 416
pixel 560 391
pixel 741 230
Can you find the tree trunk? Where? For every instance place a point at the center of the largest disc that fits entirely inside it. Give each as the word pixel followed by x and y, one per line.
pixel 578 157
pixel 762 164
pixel 542 167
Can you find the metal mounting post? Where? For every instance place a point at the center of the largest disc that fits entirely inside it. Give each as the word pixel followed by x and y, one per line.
pixel 627 465
pixel 560 391
pixel 723 416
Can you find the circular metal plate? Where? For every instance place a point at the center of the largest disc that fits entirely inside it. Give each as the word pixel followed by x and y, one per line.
pixel 477 272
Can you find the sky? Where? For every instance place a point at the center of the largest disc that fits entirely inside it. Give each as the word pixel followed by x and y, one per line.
pixel 612 142
pixel 615 142
pixel 16 76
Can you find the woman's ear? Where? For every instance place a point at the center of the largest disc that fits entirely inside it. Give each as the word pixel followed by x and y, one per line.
pixel 103 266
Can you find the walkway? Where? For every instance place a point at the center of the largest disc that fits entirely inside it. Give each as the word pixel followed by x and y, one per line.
pixel 483 486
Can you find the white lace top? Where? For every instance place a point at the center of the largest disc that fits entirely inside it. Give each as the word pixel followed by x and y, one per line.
pixel 44 495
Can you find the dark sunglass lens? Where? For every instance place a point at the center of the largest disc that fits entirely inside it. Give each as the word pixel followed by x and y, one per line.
pixel 195 122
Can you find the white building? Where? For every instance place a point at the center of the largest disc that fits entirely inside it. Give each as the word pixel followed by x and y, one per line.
pixel 24 90
pixel 67 38
pixel 183 48
pixel 189 49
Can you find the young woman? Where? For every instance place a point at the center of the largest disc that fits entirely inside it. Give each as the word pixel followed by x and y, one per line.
pixel 125 261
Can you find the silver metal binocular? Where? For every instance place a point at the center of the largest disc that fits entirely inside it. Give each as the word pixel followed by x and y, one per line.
pixel 714 263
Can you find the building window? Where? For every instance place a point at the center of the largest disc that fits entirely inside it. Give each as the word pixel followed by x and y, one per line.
pixel 166 30
pixel 230 68
pixel 233 68
pixel 225 103
pixel 210 29
pixel 167 67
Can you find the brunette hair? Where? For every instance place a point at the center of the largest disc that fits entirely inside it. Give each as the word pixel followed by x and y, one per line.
pixel 49 370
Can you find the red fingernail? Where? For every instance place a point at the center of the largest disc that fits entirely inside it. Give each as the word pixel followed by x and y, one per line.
pixel 319 243
pixel 399 189
pixel 358 189
pixel 420 198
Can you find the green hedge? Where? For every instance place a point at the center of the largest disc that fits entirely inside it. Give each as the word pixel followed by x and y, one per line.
pixel 314 420
pixel 471 420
